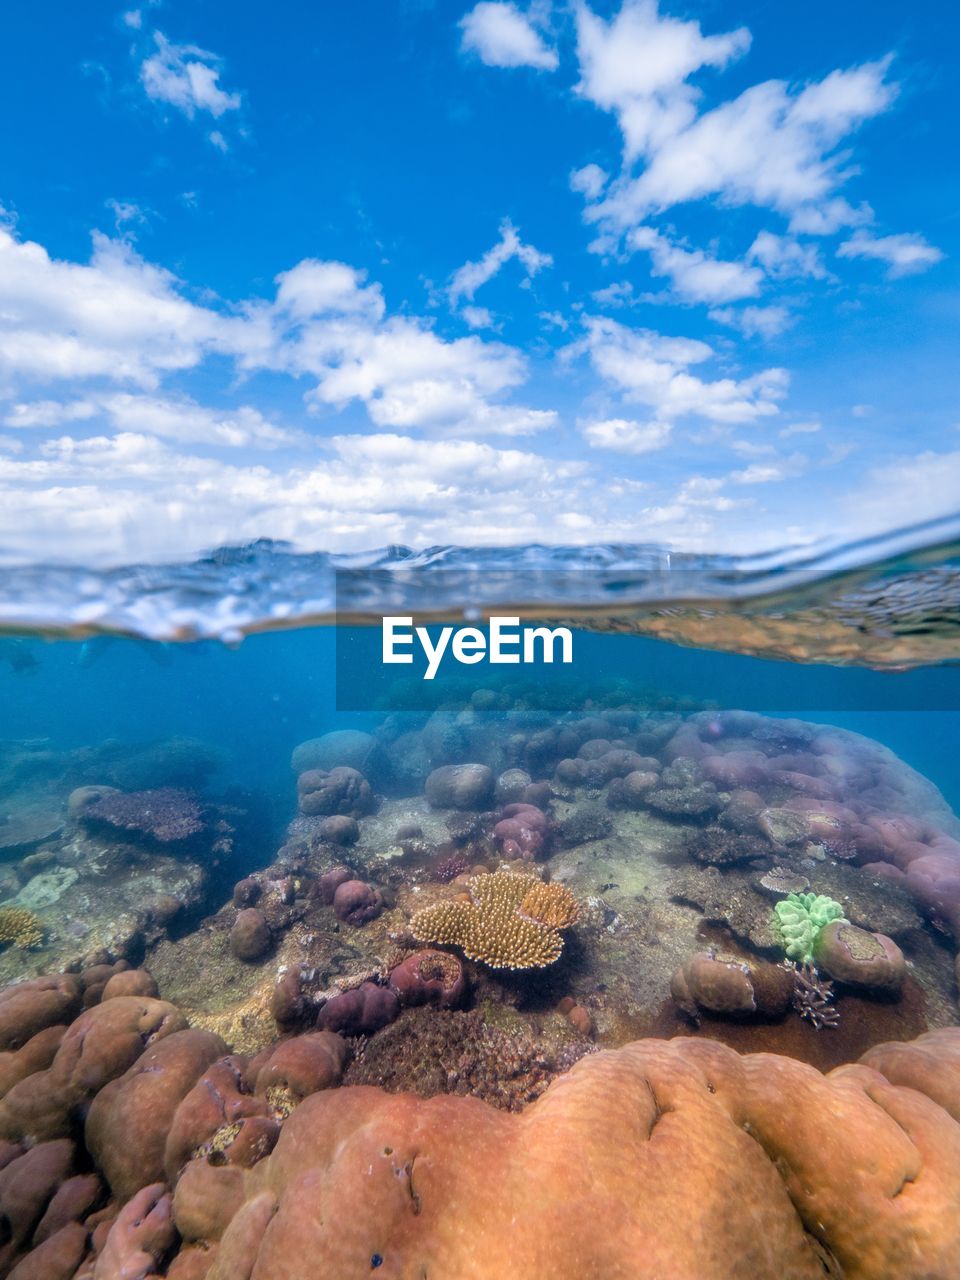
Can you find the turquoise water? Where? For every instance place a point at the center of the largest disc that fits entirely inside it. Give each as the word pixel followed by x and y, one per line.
pixel 255 702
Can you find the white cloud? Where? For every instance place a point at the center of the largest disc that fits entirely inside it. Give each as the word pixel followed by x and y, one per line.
pixel 800 429
pixel 555 319
pixel 693 274
pixel 589 181
pixel 784 257
pixel 828 216
pixel 650 369
pixel 120 320
pixel 48 413
pixel 502 36
pixel 133 18
pixel 118 317
pixel 477 317
pixel 905 254
pixel 886 496
pixel 313 288
pixel 618 294
pixel 772 147
pixel 637 66
pixel 177 419
pixel 626 435
pixel 758 473
pixel 754 322
pixel 187 78
pixel 469 278
pixel 110 499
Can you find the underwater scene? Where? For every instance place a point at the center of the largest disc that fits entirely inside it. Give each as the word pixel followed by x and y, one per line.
pixel 479 640
pixel 643 966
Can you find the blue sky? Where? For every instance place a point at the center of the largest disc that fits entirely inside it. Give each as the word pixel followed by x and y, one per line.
pixel 432 272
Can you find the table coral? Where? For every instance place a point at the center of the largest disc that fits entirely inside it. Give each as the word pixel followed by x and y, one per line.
pixel 512 921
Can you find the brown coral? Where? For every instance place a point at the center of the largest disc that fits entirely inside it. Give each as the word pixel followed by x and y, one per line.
pixel 681 1159
pixel 20 927
pixel 495 928
pixel 551 904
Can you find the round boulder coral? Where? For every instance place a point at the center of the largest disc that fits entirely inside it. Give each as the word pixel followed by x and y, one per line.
pixel 360 1011
pixel 858 957
pixel 250 935
pixel 429 977
pixel 350 748
pixel 460 786
pixel 522 832
pixel 729 985
pixel 303 1065
pixel 339 828
pixel 341 791
pixel 355 902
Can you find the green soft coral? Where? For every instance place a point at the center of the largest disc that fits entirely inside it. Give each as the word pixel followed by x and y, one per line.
pixel 798 920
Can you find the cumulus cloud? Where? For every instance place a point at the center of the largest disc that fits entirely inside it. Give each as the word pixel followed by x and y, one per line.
pixel 694 275
pixel 472 275
pixel 650 369
pixel 906 254
pixel 502 36
pixel 121 320
pixel 758 473
pixel 478 317
pixel 117 317
pixel 754 322
pixel 179 418
pixel 129 494
pixel 186 77
pixel 784 257
pixel 589 180
pixel 637 65
pixel 773 147
pixel 626 435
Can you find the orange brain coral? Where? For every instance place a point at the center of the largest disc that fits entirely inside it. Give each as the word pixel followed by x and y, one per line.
pixel 664 1160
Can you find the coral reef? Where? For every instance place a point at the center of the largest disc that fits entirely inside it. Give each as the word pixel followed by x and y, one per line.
pixel 499 925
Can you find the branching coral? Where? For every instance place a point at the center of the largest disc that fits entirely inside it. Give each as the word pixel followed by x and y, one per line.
pixel 512 922
pixel 20 927
pixel 813 996
pixel 798 920
pixel 551 904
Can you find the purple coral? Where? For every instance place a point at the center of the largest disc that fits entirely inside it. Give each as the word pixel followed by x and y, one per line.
pixel 449 868
pixel 813 996
pixel 165 814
